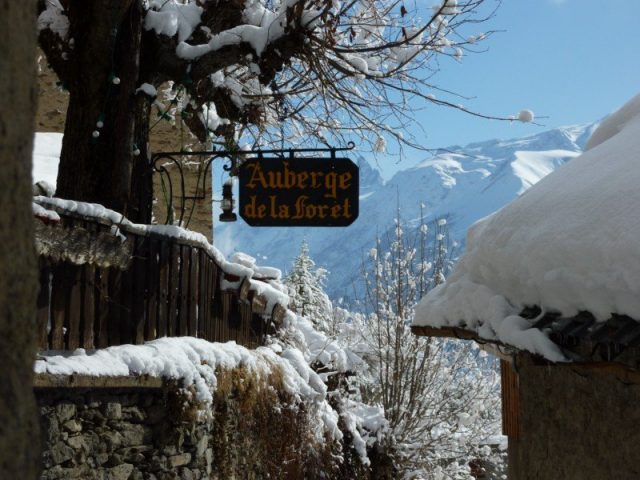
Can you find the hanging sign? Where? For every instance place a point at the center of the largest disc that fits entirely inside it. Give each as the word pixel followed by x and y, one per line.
pixel 299 192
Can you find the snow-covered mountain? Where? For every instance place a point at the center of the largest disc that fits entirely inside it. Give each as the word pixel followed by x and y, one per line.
pixel 463 184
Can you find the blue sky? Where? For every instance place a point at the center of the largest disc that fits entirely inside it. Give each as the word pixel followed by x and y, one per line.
pixel 571 60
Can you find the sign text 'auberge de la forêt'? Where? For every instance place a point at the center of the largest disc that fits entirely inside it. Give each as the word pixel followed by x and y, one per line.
pixel 299 192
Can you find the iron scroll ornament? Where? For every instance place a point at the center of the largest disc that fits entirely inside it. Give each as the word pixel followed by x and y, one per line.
pixel 234 158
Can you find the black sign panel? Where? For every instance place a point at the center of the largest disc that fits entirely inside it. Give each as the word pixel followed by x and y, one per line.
pixel 299 192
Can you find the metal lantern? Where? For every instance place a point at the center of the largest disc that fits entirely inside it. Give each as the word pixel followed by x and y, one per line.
pixel 227 203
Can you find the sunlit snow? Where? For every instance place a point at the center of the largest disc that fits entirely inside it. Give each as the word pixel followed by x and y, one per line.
pixel 569 244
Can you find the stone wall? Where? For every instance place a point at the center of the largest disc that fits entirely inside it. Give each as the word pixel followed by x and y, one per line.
pixel 119 434
pixel 576 423
pixel 155 433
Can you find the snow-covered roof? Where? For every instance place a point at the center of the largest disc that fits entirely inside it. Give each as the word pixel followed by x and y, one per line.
pixel 569 244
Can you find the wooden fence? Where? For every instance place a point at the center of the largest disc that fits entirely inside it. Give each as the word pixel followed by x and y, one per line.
pixel 171 288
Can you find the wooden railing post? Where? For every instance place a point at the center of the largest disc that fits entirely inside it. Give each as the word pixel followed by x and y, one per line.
pixel 192 325
pixel 88 306
pixel 44 305
pixel 202 294
pixel 164 265
pixel 137 314
pixel 101 325
pixel 58 306
pixel 173 288
pixel 114 306
pixel 152 291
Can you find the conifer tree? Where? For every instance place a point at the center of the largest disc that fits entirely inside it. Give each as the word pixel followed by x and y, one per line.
pixel 307 290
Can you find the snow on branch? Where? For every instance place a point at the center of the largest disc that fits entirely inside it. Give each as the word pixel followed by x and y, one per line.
pixel 327 69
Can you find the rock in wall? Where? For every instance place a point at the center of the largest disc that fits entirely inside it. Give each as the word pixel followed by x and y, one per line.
pixel 117 433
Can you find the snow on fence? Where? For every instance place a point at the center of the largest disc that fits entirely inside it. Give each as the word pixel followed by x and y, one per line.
pixel 171 286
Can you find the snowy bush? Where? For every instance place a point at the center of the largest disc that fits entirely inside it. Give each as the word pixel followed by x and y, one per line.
pixel 440 397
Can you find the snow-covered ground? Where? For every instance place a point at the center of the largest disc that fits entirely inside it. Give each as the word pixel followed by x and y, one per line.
pixel 46 156
pixel 569 244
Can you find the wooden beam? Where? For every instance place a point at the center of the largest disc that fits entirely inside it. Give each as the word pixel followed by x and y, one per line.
pixel 45 380
pixel 259 304
pixel 493 347
pixel 244 289
pixel 446 332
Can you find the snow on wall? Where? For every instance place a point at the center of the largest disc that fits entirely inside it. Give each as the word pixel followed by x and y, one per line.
pixel 194 362
pixel 568 244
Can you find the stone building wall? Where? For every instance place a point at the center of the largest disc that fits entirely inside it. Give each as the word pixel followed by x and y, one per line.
pixel 108 432
pixel 165 137
pixel 576 424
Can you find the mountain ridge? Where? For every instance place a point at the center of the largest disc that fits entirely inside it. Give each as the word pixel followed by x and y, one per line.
pixel 463 184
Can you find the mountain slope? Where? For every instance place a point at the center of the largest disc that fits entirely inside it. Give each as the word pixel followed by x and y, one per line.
pixel 462 183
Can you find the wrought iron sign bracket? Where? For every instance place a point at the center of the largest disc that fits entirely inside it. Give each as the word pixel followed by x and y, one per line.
pixel 161 160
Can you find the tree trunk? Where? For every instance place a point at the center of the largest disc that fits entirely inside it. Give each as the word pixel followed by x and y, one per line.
pixel 141 199
pixel 102 76
pixel 19 436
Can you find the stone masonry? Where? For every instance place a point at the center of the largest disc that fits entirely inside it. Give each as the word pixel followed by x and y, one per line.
pixel 120 434
pixel 132 428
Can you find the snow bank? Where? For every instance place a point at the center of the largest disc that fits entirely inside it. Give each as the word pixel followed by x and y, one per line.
pixel 46 156
pixel 615 123
pixel 568 244
pixel 193 362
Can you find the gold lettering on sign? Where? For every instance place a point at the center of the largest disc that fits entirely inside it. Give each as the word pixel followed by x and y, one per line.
pixel 277 210
pixel 283 192
pixel 252 210
pixel 256 176
pixel 345 180
pixel 299 207
pixel 331 184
